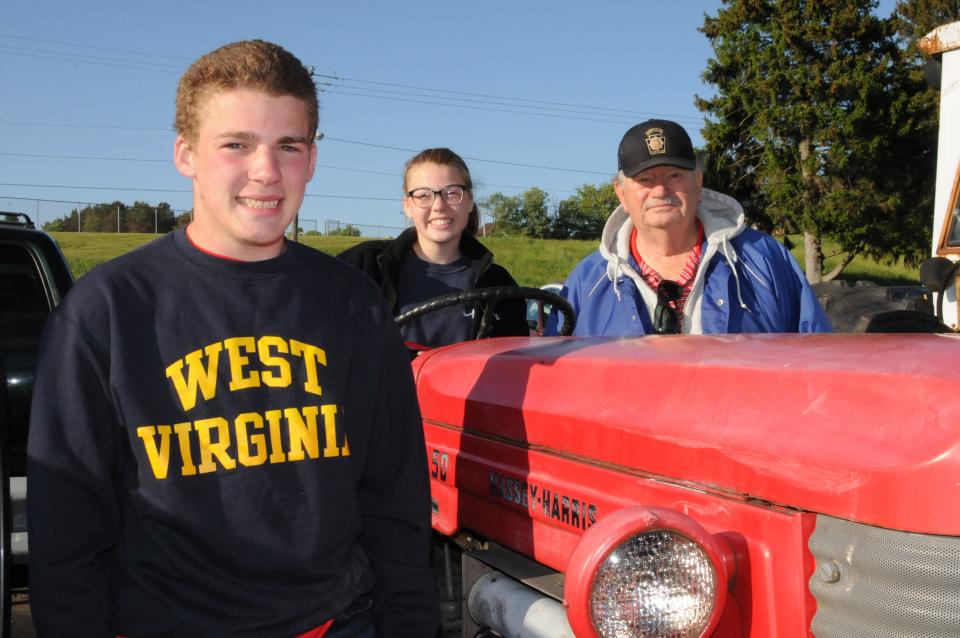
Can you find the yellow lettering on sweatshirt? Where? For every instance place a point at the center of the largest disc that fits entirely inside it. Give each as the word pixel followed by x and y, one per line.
pixel 240 378
pixel 245 440
pixel 302 429
pixel 277 454
pixel 158 455
pixel 312 357
pixel 199 375
pixel 330 432
pixel 281 377
pixel 183 441
pixel 213 449
pixel 251 361
pixel 250 439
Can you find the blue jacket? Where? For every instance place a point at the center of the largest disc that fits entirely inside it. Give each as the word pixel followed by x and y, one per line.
pixel 747 282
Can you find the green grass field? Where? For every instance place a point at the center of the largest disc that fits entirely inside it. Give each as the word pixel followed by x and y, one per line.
pixel 532 262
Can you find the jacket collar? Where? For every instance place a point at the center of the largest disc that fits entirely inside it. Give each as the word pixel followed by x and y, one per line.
pixel 721 215
pixel 480 258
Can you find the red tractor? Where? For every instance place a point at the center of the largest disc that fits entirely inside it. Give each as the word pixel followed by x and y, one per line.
pixel 764 485
pixel 678 486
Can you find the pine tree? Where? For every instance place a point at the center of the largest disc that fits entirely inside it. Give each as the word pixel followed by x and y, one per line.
pixel 808 125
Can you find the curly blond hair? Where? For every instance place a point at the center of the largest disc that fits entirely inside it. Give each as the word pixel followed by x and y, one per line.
pixel 248 64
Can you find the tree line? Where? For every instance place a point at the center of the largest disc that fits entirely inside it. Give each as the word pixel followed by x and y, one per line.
pixel 139 217
pixel 580 216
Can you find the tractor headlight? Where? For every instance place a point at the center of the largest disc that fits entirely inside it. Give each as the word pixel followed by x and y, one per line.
pixel 655 584
pixel 646 571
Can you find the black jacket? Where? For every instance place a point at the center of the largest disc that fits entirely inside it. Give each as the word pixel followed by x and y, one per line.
pixel 381 259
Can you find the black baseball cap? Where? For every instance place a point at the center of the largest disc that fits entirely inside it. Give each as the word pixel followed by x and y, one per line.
pixel 655 143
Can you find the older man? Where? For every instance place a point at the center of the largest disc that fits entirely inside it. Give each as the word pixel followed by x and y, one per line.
pixel 676 258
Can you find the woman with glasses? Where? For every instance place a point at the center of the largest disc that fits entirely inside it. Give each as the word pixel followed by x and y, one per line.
pixel 438 255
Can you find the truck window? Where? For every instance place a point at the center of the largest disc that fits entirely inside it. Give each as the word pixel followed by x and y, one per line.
pixel 950 238
pixel 23 302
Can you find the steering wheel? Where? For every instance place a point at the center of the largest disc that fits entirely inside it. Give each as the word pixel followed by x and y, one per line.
pixel 489 298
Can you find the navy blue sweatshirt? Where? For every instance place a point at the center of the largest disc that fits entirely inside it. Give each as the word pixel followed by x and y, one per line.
pixel 223 448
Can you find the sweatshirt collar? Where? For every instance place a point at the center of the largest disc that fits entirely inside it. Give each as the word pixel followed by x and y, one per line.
pixel 231 267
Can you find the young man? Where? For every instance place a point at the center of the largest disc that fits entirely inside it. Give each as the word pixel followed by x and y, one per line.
pixel 677 258
pixel 225 438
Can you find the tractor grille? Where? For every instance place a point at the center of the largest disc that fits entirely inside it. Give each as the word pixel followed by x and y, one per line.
pixel 875 583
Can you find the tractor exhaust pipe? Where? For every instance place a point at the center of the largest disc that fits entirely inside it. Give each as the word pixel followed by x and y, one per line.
pixel 514 610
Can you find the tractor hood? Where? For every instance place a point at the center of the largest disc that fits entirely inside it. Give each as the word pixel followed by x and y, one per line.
pixel 861 427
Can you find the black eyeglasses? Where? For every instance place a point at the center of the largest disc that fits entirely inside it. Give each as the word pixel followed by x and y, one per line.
pixel 666 319
pixel 451 194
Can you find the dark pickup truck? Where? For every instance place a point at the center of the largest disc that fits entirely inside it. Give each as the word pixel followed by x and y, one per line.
pixel 34 277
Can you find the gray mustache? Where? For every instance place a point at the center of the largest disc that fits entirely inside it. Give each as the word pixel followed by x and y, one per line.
pixel 670 201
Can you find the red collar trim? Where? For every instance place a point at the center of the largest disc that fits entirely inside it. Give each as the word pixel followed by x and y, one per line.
pixel 186 232
pixel 689 271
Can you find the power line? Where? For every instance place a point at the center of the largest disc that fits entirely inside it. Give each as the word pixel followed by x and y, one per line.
pixel 397 175
pixel 357 170
pixel 92 58
pixel 474 159
pixel 187 191
pixel 99 188
pixel 91 46
pixel 471 94
pixel 83 157
pixel 335 139
pixel 631 113
pixel 164 161
pixel 175 190
pixel 475 108
pixel 99 126
pixel 452 98
pixel 376 199
pixel 67 57
pixel 488 102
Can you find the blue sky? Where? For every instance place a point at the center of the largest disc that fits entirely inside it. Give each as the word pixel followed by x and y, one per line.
pixel 531 93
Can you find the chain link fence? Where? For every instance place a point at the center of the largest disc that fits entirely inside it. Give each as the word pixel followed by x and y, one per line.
pixel 151 219
pixel 348 229
pixel 73 215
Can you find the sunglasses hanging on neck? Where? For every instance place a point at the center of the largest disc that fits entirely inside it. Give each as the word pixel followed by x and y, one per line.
pixel 666 319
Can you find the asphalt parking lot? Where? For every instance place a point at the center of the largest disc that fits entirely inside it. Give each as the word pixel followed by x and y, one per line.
pixel 21 623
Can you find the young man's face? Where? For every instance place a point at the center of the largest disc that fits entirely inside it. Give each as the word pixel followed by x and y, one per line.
pixel 250 165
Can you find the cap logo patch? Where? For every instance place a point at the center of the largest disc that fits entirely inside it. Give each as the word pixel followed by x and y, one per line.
pixel 656 142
